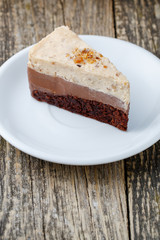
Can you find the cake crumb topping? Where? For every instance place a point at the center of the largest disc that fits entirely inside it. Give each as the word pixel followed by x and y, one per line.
pixel 85 56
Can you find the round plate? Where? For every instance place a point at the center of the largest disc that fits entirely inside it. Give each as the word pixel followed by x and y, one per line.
pixel 56 135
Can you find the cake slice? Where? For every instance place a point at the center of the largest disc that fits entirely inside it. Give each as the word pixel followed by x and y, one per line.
pixel 64 71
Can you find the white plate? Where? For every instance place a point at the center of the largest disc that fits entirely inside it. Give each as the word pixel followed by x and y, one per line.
pixel 57 135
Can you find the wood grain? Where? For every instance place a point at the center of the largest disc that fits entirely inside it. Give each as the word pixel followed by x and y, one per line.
pixel 139 22
pixel 41 200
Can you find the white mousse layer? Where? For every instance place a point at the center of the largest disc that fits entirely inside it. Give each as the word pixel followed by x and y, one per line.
pixel 58 54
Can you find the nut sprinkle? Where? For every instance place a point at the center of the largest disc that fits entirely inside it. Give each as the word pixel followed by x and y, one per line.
pixel 85 56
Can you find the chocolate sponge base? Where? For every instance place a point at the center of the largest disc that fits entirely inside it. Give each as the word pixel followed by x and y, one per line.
pixel 92 109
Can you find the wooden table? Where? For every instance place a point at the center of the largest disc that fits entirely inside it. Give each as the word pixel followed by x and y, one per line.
pixel 42 200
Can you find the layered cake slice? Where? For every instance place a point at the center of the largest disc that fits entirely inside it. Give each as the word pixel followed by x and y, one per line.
pixel 64 71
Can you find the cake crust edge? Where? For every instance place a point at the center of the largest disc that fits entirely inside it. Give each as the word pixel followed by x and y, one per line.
pixel 92 109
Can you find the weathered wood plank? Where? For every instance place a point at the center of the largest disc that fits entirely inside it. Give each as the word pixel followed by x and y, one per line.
pixel 40 200
pixel 90 17
pixel 143 177
pixel 78 211
pixel 139 22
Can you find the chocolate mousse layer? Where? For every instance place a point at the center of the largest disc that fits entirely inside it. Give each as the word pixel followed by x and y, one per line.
pixel 78 99
pixel 59 86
